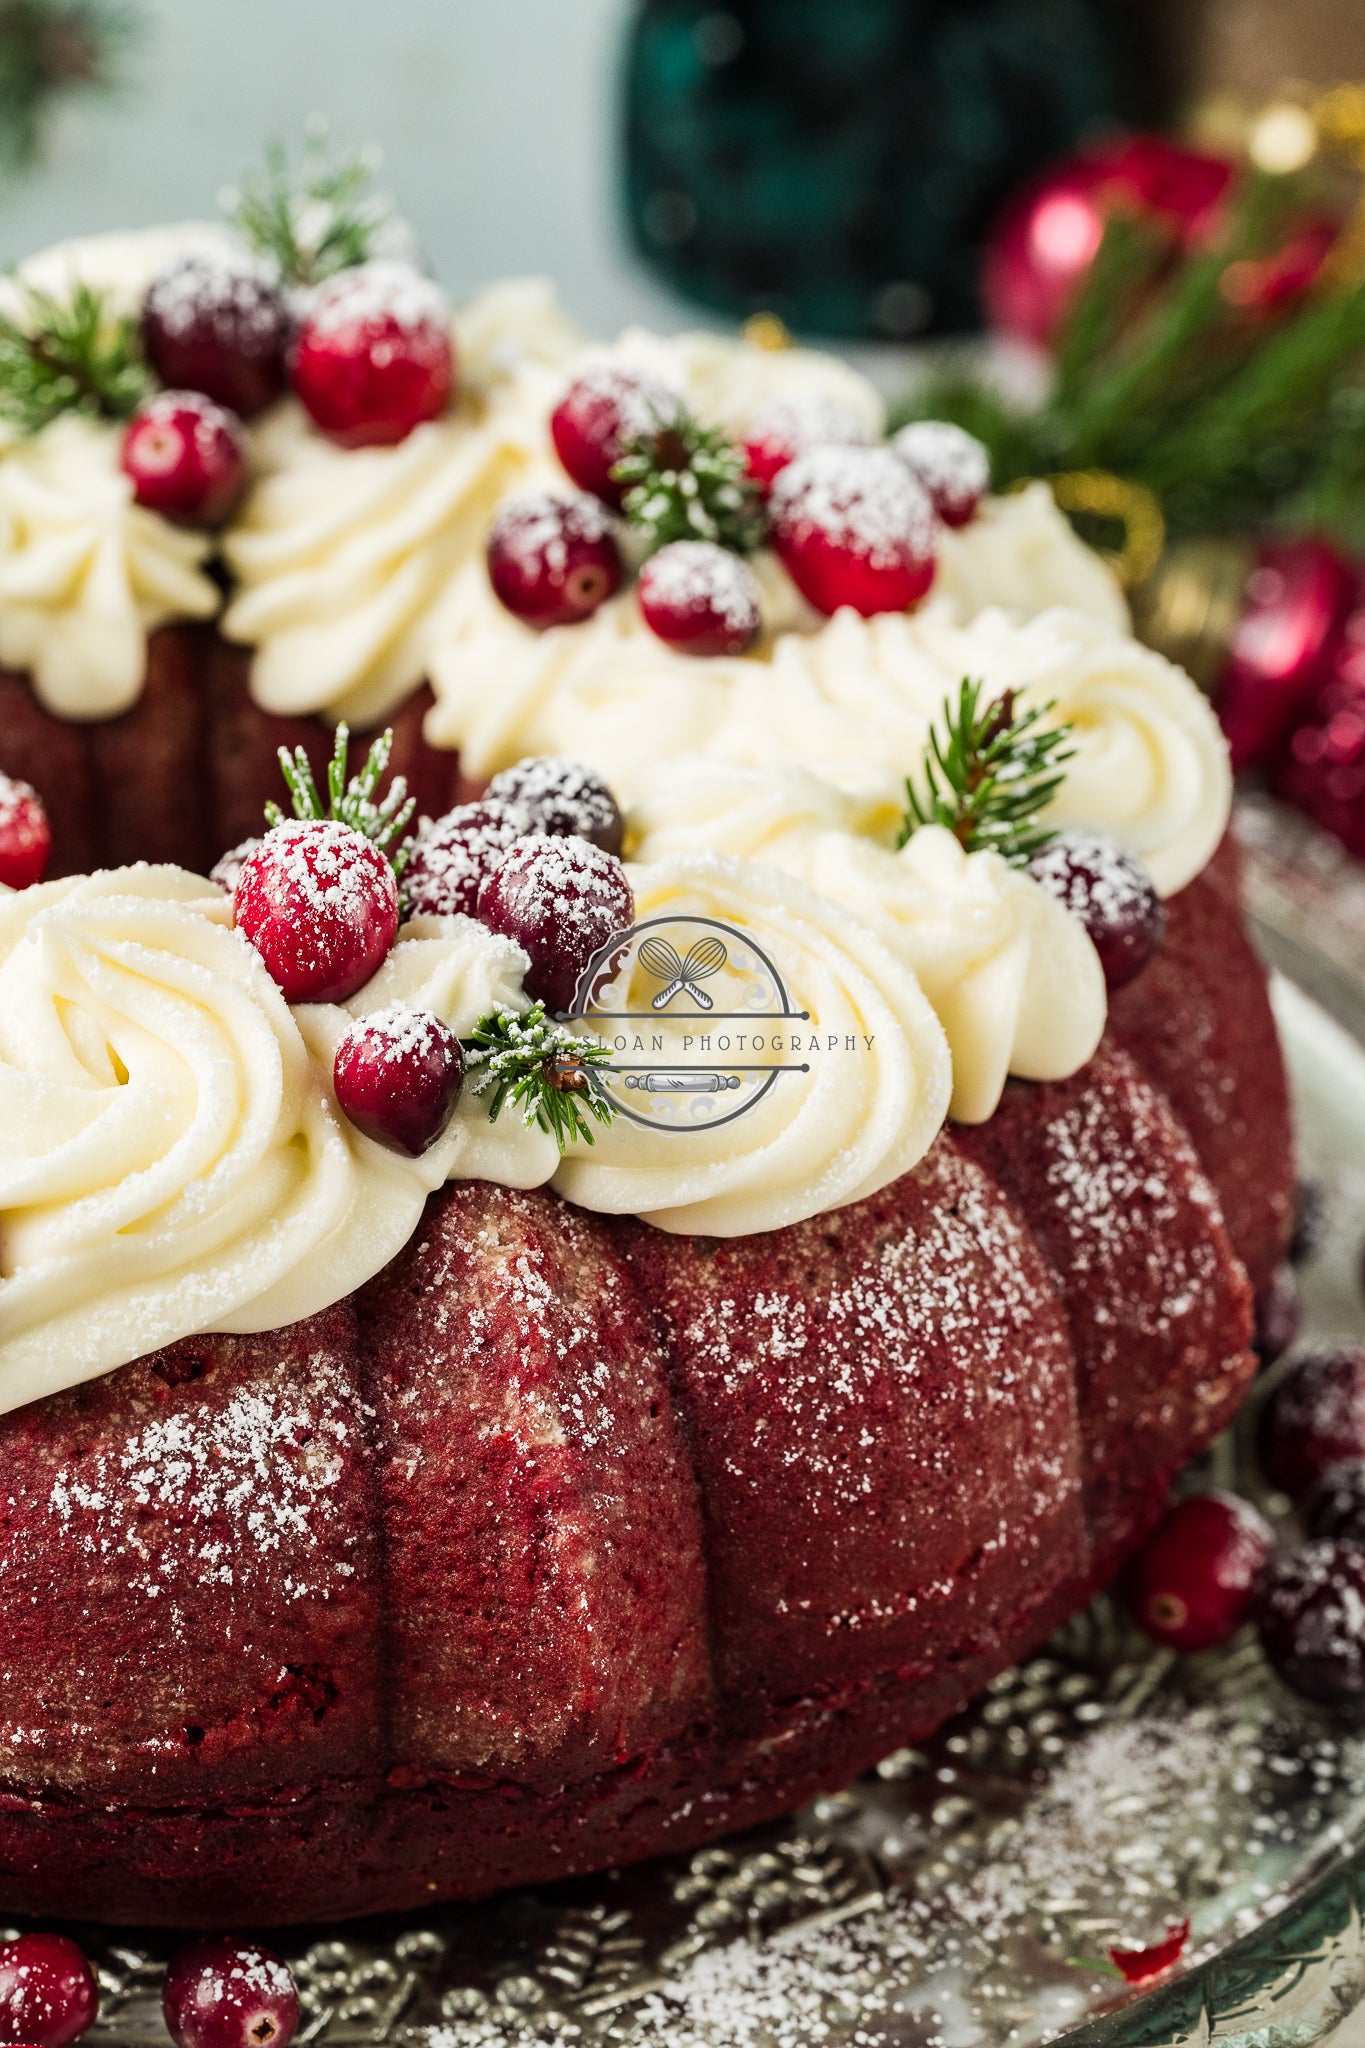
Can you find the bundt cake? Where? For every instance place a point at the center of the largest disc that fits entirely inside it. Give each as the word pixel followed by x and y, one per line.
pixel 403 1495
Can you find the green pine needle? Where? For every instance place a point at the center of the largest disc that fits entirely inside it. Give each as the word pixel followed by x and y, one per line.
pixel 351 802
pixel 689 482
pixel 543 1069
pixel 989 774
pixel 50 48
pixel 72 356
pixel 326 222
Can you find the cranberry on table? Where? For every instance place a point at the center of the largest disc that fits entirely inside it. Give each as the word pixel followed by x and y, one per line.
pixel 787 427
pixel 221 1993
pixel 374 358
pixel 1313 1418
pixel 449 862
pixel 951 465
pixel 600 413
pixel 560 900
pixel 552 561
pixel 1111 892
pixel 563 797
pixel 1278 1315
pixel 1310 1615
pixel 1191 1585
pixel 185 457
pixel 215 321
pixel 852 527
pixel 700 599
pixel 48 1993
pixel 397 1076
pixel 1335 1508
pixel 25 834
pixel 319 903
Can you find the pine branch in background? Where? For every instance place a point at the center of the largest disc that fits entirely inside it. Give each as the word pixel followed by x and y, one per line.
pixel 989 773
pixel 52 47
pixel 328 220
pixel 73 357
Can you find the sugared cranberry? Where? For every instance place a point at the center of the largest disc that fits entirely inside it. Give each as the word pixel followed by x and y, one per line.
pixel 1314 1418
pixel 787 427
pixel 1310 1614
pixel 1111 892
pixel 599 415
pixel 560 900
pixel 48 1993
pixel 397 1077
pixel 853 528
pixel 25 835
pixel 950 463
pixel 374 357
pixel 700 599
pixel 229 1994
pixel 228 866
pixel 185 456
pixel 563 797
pixel 553 561
pixel 449 862
pixel 216 322
pixel 1191 1585
pixel 1335 1509
pixel 1278 1314
pixel 319 903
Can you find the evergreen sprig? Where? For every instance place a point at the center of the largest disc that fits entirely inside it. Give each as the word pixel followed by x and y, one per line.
pixel 351 802
pixel 989 774
pixel 49 48
pixel 327 221
pixel 543 1069
pixel 68 356
pixel 686 481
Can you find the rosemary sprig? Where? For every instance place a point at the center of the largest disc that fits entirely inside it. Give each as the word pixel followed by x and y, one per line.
pixel 542 1068
pixel 351 802
pixel 689 482
pixel 68 356
pixel 989 774
pixel 328 221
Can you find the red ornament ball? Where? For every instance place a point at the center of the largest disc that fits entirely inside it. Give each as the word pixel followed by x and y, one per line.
pixel 25 834
pixel 319 903
pixel 700 599
pixel 553 561
pixel 1295 607
pixel 449 862
pixel 1322 769
pixel 1192 1584
pixel 561 900
pixel 221 1993
pixel 48 1993
pixel 599 415
pixel 185 457
pixel 852 527
pixel 951 465
pixel 787 427
pixel 374 357
pixel 397 1076
pixel 215 321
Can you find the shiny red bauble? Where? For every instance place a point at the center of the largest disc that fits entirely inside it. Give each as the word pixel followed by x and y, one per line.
pixel 1295 605
pixel 1322 767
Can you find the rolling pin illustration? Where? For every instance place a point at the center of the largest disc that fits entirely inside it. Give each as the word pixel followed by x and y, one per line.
pixel 682 1081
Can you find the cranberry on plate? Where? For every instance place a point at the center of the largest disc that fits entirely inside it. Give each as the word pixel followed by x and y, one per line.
pixel 1192 1584
pixel 25 834
pixel 48 1993
pixel 221 1993
pixel 1314 1417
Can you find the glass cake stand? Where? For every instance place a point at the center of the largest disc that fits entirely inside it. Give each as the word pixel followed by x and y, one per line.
pixel 966 1892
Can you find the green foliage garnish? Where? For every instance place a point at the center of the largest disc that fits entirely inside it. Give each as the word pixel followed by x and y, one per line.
pixel 351 802
pixel 52 47
pixel 326 222
pixel 689 482
pixel 989 774
pixel 72 356
pixel 542 1068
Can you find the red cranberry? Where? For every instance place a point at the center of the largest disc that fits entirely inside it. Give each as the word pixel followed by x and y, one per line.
pixel 787 427
pixel 228 866
pixel 553 561
pixel 25 835
pixel 560 900
pixel 601 412
pixel 1335 1509
pixel 951 464
pixel 563 797
pixel 374 357
pixel 700 599
pixel 449 862
pixel 1192 1583
pixel 1313 1418
pixel 48 1993
pixel 1278 1314
pixel 1310 1614
pixel 229 1994
pixel 853 528
pixel 397 1076
pixel 185 456
pixel 1111 892
pixel 215 322
pixel 319 903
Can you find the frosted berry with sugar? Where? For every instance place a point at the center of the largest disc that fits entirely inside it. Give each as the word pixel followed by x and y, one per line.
pixel 700 599
pixel 319 903
pixel 600 414
pixel 1192 1584
pixel 215 321
pixel 451 859
pixel 374 357
pixel 853 528
pixel 1310 1616
pixel 185 457
pixel 553 561
pixel 1111 892
pixel 1313 1418
pixel 222 1993
pixel 397 1077
pixel 563 797
pixel 787 427
pixel 25 834
pixel 560 900
pixel 951 465
pixel 48 1993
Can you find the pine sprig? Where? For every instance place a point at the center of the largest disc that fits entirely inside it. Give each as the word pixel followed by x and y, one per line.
pixel 68 356
pixel 689 482
pixel 542 1069
pixel 49 48
pixel 989 773
pixel 329 220
pixel 351 802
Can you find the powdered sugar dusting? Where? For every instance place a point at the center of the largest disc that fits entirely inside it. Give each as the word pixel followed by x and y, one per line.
pixel 378 293
pixel 952 465
pixel 225 287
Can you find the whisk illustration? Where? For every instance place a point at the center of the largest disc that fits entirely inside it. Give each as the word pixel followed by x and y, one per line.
pixel 682 973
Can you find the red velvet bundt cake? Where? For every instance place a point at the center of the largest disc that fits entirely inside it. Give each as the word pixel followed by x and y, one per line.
pixel 405 1496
